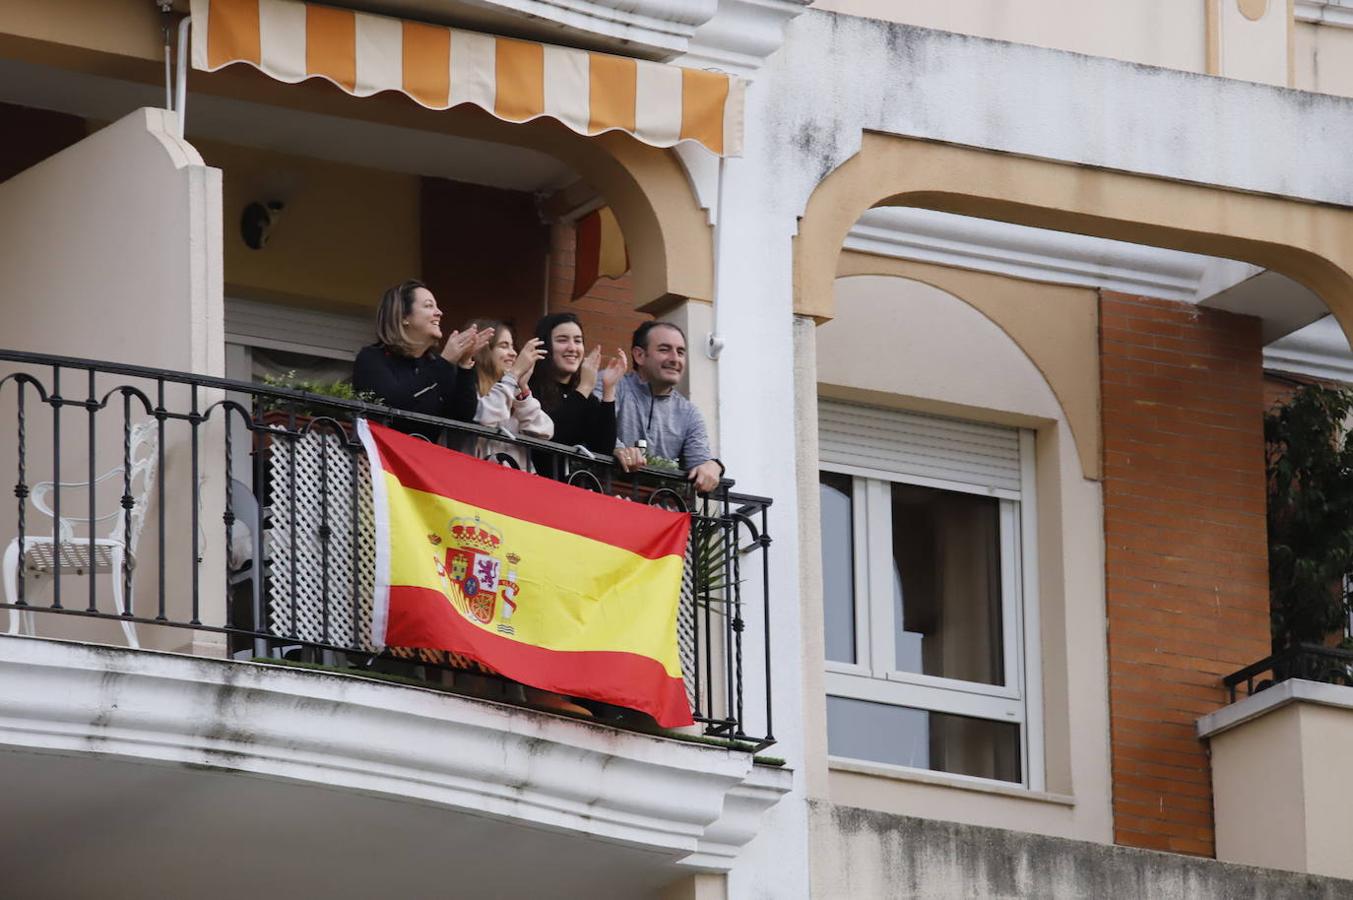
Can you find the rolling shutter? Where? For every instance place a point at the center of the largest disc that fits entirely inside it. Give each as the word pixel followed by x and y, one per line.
pixel 297 330
pixel 887 442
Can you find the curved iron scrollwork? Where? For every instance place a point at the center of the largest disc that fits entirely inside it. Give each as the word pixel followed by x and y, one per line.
pixel 662 497
pixel 578 476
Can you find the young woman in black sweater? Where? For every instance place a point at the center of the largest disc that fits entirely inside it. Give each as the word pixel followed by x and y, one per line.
pixel 403 367
pixel 564 382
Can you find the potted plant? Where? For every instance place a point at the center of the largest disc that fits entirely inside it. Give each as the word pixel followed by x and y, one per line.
pixel 339 389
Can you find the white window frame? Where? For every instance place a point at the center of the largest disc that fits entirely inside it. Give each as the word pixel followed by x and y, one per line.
pixel 872 678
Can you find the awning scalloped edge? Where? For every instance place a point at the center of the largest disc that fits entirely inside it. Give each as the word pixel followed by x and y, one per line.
pixel 439 67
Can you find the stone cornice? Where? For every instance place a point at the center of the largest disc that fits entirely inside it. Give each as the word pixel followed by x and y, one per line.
pixel 1036 254
pixel 687 802
pixel 1030 253
pixel 662 25
pixel 649 29
pixel 1324 12
pixel 1316 351
pixel 742 34
pixel 733 36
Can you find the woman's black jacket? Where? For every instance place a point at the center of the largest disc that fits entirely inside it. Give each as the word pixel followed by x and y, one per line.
pixel 428 384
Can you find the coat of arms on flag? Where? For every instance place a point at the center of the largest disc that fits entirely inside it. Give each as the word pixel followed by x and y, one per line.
pixel 553 586
pixel 473 574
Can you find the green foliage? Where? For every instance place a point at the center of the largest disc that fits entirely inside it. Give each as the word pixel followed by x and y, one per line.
pixel 662 462
pixel 712 549
pixel 339 390
pixel 1309 456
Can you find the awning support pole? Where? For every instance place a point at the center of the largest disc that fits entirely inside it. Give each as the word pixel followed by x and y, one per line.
pixel 713 342
pixel 166 7
pixel 181 83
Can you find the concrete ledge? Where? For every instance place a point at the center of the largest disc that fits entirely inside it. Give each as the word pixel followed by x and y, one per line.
pixel 944 779
pixel 874 854
pixel 1279 695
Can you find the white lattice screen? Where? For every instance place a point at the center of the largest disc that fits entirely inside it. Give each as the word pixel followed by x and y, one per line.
pixel 322 465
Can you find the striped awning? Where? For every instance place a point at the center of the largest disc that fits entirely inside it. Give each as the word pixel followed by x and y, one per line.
pixel 441 67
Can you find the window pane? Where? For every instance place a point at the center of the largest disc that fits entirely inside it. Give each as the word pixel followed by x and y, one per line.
pixel 838 566
pixel 947 584
pixel 941 742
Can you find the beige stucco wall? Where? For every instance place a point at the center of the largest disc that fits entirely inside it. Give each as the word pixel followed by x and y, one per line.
pixel 701 381
pixel 50 30
pixel 1250 40
pixel 1156 32
pixel 346 232
pixel 1269 745
pixel 111 250
pixel 1323 59
pixel 1280 787
pixel 901 343
pixel 1056 326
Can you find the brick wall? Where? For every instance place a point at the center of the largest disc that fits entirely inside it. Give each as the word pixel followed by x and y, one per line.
pixel 1186 565
pixel 607 311
pixel 1280 386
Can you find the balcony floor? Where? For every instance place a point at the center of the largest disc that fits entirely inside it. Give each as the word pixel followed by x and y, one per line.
pixel 136 773
pixel 88 826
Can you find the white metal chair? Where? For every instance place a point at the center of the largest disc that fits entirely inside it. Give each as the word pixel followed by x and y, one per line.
pixel 69 551
pixel 250 565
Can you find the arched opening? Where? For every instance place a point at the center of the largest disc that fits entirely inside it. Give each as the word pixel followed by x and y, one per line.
pixel 1306 242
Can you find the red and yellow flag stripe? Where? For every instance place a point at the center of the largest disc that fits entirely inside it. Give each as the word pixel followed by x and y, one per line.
pixel 440 67
pixel 553 586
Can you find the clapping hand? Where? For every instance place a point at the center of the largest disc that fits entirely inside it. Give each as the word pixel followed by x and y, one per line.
pixel 587 372
pixel 614 371
pixel 461 346
pixel 531 353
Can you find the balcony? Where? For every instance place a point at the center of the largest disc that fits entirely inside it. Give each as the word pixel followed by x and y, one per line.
pixel 1279 752
pixel 221 652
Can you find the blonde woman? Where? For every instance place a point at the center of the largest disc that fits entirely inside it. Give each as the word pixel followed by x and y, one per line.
pixel 505 399
pixel 403 367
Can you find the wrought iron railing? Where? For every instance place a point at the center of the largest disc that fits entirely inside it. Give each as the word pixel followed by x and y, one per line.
pixel 1311 662
pixel 243 510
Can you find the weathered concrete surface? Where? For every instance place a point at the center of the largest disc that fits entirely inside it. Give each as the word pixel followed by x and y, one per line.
pixel 860 854
pixel 839 76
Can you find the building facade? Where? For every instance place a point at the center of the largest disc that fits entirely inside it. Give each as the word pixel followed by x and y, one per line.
pixel 980 301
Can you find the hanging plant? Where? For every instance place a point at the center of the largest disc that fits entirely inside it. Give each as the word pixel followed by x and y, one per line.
pixel 1309 457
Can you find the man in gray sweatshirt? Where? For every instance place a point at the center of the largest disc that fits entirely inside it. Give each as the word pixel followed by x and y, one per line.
pixel 648 407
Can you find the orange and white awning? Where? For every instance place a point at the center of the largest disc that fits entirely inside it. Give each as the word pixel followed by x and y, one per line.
pixel 440 67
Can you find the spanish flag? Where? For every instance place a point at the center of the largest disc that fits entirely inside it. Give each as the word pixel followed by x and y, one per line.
pixel 559 588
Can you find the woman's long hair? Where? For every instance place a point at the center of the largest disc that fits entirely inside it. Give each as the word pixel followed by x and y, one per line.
pixel 483 358
pixel 545 383
pixel 396 304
